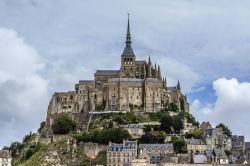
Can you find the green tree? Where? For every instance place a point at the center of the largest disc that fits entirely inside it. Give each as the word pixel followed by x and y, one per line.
pixel 147 128
pixel 191 119
pixel 177 124
pixel 182 104
pixel 42 124
pixel 27 137
pixel 225 129
pixel 179 144
pixel 119 120
pixel 159 136
pixel 196 133
pixel 114 135
pixel 228 152
pixel 166 123
pixel 63 124
pixel 147 138
pixel 15 148
pixel 173 107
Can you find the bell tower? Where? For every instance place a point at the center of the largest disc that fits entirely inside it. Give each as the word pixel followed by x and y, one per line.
pixel 128 67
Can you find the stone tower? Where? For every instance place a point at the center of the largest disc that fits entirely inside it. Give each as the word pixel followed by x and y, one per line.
pixel 128 66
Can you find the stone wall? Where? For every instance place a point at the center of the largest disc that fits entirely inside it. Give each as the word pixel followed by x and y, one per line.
pixel 91 149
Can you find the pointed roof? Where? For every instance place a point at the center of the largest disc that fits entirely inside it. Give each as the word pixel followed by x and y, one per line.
pixel 128 51
pixel 178 85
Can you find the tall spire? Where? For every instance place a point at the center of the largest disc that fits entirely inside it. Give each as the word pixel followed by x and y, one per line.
pixel 128 51
pixel 178 85
pixel 128 37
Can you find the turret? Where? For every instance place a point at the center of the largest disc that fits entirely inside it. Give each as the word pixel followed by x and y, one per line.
pixel 178 86
pixel 149 68
pixel 155 72
pixel 159 72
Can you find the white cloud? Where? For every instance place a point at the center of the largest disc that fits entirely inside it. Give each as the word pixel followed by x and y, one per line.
pixel 231 107
pixel 175 70
pixel 23 90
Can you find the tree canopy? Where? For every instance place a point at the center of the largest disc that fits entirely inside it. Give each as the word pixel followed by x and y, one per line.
pixel 179 144
pixel 225 129
pixel 171 123
pixel 63 124
pixel 104 136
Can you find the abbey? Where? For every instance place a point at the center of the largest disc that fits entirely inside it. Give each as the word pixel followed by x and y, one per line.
pixel 137 86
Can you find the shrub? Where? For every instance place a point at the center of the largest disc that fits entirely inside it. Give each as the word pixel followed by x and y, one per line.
pixel 63 125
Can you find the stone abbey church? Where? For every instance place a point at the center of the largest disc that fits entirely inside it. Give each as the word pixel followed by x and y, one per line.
pixel 137 85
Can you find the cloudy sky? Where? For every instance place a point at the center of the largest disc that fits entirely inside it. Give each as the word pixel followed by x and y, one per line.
pixel 48 45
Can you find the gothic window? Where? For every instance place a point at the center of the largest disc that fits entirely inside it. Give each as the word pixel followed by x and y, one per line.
pixel 71 97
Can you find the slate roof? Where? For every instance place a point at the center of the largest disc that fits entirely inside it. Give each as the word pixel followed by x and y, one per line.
pixel 167 159
pixel 193 141
pixel 126 80
pixel 107 72
pixel 119 147
pixel 220 154
pixel 171 88
pixel 128 51
pixel 5 154
pixel 133 126
pixel 247 145
pixel 156 146
pixel 140 62
pixel 130 143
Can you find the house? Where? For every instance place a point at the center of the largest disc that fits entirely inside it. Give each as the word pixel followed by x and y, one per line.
pixel 213 137
pixel 204 126
pixel 155 152
pixel 247 150
pixel 199 158
pixel 196 145
pixel 187 127
pixel 121 154
pixel 135 130
pixel 220 157
pixel 5 158
pixel 238 146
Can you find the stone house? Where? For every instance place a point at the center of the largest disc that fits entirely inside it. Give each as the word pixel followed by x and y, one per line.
pixel 196 146
pixel 155 152
pixel 5 158
pixel 220 157
pixel 199 158
pixel 238 146
pixel 247 150
pixel 213 138
pixel 135 130
pixel 121 154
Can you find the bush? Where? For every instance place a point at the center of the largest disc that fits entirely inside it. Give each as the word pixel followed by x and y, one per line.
pixel 196 133
pixel 179 145
pixel 42 124
pixel 116 135
pixel 225 129
pixel 27 137
pixel 147 138
pixel 173 107
pixel 63 125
